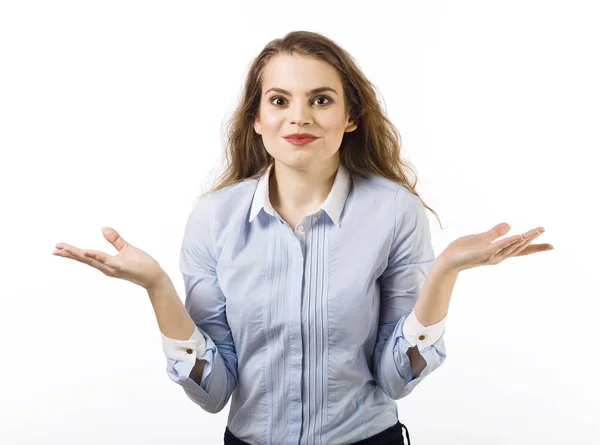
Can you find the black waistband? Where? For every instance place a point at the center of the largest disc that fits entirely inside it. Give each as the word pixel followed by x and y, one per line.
pixel 390 436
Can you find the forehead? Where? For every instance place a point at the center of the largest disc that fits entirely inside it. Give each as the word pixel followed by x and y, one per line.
pixel 299 73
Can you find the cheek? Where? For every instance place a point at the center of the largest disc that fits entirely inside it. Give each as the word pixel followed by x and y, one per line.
pixel 270 121
pixel 333 121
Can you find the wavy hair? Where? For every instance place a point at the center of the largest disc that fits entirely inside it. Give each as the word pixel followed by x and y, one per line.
pixel 373 147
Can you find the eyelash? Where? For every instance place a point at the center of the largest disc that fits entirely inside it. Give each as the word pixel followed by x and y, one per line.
pixel 281 97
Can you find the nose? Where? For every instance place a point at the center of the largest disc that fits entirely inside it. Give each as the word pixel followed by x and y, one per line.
pixel 300 114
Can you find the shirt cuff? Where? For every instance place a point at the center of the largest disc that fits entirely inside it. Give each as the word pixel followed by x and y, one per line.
pixel 185 350
pixel 422 336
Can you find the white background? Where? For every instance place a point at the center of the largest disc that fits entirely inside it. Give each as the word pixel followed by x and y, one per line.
pixel 112 114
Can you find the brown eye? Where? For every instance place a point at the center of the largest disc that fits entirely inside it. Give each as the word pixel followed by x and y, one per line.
pixel 274 98
pixel 324 97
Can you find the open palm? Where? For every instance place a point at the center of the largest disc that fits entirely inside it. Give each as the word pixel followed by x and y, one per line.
pixel 130 263
pixel 479 249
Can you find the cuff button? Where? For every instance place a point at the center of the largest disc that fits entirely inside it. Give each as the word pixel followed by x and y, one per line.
pixel 189 351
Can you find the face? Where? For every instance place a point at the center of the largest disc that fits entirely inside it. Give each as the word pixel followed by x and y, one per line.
pixel 300 110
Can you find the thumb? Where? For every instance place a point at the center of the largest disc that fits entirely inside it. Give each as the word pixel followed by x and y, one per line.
pixel 499 230
pixel 113 237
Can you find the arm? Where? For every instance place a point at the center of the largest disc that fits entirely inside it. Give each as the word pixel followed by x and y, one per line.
pixel 176 325
pixel 400 359
pixel 434 299
pixel 430 311
pixel 208 384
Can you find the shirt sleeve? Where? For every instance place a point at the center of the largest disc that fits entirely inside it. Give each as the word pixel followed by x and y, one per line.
pixel 187 351
pixel 410 259
pixel 419 335
pixel 205 303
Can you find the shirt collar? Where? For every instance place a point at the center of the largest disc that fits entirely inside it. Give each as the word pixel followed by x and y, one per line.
pixel 333 205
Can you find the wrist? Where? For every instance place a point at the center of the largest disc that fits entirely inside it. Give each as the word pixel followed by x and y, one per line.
pixel 159 285
pixel 442 264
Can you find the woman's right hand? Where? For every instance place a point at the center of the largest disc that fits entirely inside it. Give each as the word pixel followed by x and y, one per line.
pixel 131 264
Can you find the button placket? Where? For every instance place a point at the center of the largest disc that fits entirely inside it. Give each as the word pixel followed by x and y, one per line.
pixel 302 226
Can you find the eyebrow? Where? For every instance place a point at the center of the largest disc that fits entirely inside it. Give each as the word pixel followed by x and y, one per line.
pixel 316 90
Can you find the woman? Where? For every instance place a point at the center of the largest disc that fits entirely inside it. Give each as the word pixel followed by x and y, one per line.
pixel 313 296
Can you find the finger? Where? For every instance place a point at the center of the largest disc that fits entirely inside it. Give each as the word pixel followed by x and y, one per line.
pixel 65 254
pixel 497 231
pixel 503 254
pixel 529 238
pixel 534 248
pixel 98 256
pixel 100 265
pixel 100 259
pixel 113 237
pixel 70 252
pixel 522 246
pixel 521 240
pixel 499 246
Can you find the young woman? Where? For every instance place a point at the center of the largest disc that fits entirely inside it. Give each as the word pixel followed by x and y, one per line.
pixel 313 296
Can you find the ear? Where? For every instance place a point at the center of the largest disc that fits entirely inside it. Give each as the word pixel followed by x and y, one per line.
pixel 257 126
pixel 350 126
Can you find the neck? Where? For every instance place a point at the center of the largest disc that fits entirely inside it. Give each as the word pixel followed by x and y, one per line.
pixel 301 190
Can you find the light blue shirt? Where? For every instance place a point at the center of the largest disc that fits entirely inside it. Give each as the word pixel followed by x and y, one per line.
pixel 306 328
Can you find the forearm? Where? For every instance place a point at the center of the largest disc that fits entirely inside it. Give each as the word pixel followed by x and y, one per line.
pixel 434 299
pixel 173 319
pixel 390 362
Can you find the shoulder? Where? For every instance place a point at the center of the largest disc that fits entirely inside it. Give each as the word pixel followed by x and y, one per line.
pixel 386 190
pixel 217 204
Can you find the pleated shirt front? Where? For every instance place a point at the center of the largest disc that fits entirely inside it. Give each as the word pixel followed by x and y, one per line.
pixel 303 326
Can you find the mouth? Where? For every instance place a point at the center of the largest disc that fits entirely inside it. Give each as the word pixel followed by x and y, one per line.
pixel 300 140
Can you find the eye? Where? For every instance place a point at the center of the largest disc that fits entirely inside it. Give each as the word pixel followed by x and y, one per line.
pixel 329 100
pixel 276 98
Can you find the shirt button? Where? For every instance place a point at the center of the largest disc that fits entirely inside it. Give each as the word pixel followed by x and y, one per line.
pixel 189 351
pixel 300 228
pixel 422 337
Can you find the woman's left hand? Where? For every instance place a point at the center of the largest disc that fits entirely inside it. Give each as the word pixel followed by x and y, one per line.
pixel 479 250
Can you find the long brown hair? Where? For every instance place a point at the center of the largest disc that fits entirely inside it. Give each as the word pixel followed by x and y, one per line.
pixel 374 147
